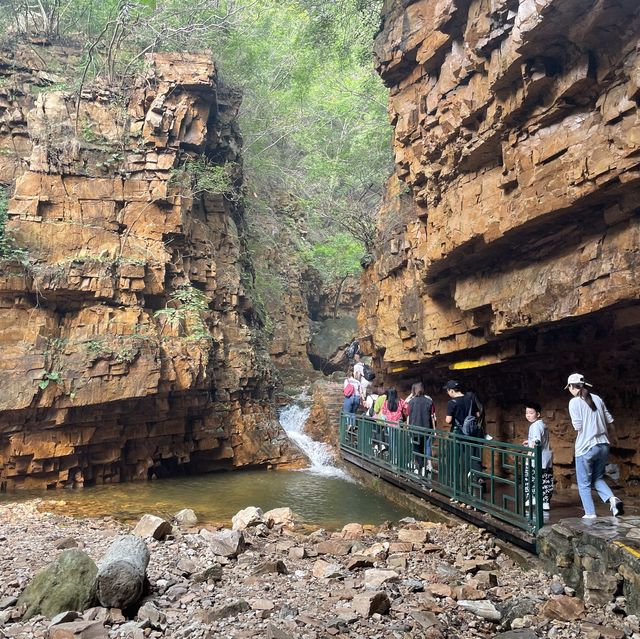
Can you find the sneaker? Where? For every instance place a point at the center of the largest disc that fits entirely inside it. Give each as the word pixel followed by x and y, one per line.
pixel 594 516
pixel 423 472
pixel 416 471
pixel 429 467
pixel 616 506
pixel 546 505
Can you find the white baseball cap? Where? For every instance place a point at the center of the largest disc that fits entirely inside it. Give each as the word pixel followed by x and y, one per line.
pixel 576 378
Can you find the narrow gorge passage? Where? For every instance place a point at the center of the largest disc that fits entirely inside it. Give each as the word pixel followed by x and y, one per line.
pixel 203 204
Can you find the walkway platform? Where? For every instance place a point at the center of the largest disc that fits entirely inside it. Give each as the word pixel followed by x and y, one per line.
pixel 501 529
pixel 486 483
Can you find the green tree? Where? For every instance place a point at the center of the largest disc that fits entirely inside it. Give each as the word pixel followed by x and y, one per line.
pixel 337 259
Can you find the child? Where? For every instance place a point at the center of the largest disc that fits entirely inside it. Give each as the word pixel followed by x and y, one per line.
pixel 538 433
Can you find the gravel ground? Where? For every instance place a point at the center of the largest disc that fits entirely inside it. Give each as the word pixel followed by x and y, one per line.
pixel 414 579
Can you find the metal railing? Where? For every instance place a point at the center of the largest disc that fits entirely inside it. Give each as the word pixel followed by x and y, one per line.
pixel 494 477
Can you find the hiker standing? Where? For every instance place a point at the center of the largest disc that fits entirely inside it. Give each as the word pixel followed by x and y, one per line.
pixel 351 379
pixel 376 413
pixel 392 412
pixel 461 408
pixel 421 416
pixel 463 413
pixel 351 402
pixel 365 374
pixel 538 434
pixel 591 419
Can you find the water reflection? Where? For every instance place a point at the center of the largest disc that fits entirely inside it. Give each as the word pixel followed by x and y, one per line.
pixel 323 500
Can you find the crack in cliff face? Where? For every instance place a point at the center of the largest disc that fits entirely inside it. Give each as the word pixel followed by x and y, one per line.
pixel 128 343
pixel 516 137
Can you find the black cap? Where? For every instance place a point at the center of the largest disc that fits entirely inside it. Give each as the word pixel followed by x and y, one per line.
pixel 452 384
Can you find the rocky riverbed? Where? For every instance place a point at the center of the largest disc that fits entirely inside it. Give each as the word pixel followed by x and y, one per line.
pixel 274 578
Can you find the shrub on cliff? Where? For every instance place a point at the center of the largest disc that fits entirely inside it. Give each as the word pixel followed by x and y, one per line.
pixel 8 247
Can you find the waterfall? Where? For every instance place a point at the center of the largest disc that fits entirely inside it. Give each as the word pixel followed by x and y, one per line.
pixel 292 418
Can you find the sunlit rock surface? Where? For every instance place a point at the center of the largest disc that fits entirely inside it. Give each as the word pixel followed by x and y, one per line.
pixel 508 247
pixel 98 385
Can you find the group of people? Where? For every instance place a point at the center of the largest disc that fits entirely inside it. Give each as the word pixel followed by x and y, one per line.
pixel 588 412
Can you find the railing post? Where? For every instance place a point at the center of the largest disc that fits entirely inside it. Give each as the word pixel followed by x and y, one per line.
pixel 456 463
pixel 539 520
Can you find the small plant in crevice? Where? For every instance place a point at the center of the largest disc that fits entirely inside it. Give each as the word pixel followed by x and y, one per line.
pixel 188 306
pixel 47 378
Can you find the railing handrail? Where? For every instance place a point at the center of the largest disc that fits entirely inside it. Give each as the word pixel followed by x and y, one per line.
pixel 493 443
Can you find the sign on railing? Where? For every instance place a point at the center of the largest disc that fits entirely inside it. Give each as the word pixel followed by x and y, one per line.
pixel 494 477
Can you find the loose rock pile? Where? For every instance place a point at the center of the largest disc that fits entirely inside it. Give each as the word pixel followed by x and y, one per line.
pixel 271 578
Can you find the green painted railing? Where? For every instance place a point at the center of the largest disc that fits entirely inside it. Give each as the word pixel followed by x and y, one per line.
pixel 488 475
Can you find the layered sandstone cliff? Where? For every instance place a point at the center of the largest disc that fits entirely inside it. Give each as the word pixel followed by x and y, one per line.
pixel 130 346
pixel 510 241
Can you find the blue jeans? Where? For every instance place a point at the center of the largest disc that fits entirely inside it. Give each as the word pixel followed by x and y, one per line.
pixel 422 450
pixel 590 473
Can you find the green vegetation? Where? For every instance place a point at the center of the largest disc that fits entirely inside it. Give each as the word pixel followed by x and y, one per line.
pixel 188 307
pixel 203 177
pixel 336 259
pixel 47 378
pixel 8 248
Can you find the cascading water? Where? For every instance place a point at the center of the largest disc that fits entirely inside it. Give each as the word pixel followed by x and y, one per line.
pixel 293 418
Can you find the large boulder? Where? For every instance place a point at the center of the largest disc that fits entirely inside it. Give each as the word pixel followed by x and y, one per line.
pixel 279 517
pixel 66 584
pixel 122 574
pixel 186 518
pixel 329 341
pixel 224 543
pixel 152 526
pixel 250 516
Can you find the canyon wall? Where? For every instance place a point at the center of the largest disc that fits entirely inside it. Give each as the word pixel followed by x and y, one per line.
pixel 130 345
pixel 509 243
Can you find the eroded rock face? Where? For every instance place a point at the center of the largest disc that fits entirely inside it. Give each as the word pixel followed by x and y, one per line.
pixel 107 376
pixel 510 233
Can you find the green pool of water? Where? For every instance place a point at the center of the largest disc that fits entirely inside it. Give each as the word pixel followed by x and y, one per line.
pixel 325 501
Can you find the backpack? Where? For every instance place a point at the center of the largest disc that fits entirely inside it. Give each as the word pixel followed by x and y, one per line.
pixel 371 411
pixel 368 373
pixel 349 390
pixel 470 425
pixel 352 349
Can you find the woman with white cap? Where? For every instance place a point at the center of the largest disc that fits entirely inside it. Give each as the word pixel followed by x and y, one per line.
pixel 590 418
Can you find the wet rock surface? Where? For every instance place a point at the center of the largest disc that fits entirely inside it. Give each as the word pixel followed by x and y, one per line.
pixel 270 591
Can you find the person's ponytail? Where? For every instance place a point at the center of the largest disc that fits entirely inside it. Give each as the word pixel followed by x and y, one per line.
pixel 586 395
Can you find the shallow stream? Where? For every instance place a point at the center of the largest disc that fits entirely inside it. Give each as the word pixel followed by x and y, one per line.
pixel 322 495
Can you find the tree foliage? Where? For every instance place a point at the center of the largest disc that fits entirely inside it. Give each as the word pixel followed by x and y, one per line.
pixel 336 258
pixel 314 113
pixel 313 117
